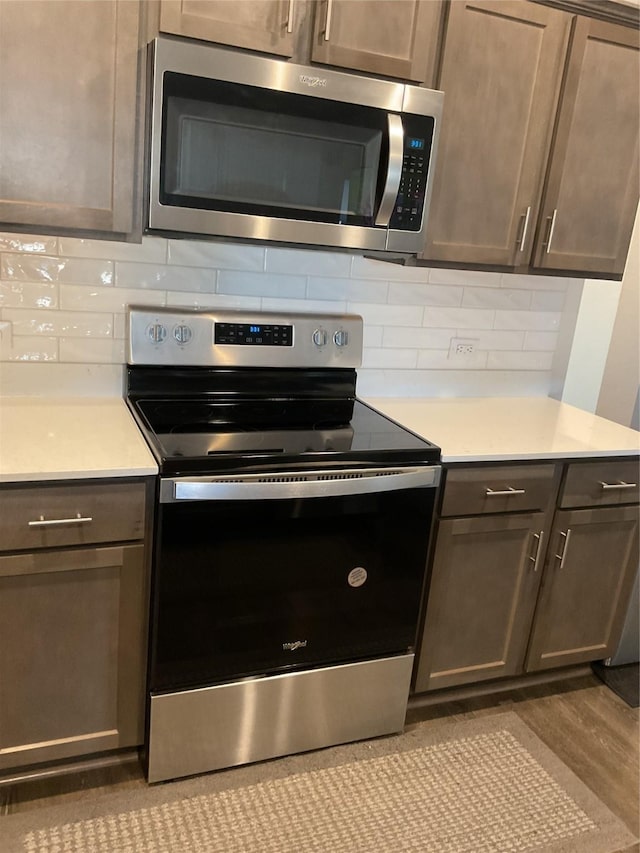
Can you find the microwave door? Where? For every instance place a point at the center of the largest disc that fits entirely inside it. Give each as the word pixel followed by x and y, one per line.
pixel 394 170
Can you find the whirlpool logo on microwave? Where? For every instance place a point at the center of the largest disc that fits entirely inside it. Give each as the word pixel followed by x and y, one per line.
pixel 312 82
pixel 291 647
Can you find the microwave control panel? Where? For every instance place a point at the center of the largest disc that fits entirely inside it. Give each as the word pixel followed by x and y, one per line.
pixel 409 206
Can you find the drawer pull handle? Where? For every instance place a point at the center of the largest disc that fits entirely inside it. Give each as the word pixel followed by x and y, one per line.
pixel 60 522
pixel 539 537
pixel 563 555
pixel 510 491
pixel 619 485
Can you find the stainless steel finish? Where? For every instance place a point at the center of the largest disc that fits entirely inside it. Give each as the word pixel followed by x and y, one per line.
pixel 619 485
pixel 202 60
pixel 255 719
pixel 198 349
pixel 551 229
pixel 327 20
pixel 60 522
pixel 525 227
pixel 491 493
pixel 562 556
pixel 394 169
pixel 290 16
pixel 535 559
pixel 303 484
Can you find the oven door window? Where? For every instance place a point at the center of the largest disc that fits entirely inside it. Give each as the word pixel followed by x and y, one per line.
pixel 242 149
pixel 245 588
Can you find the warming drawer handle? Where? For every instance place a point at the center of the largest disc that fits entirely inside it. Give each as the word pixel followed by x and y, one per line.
pixel 502 492
pixel 249 487
pixel 60 522
pixel 619 485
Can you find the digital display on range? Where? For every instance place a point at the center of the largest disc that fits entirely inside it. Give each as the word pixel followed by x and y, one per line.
pixel 253 334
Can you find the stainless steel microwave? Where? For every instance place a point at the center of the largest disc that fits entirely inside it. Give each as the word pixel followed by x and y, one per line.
pixel 254 148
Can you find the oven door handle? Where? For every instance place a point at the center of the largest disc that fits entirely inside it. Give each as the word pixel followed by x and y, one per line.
pixel 307 484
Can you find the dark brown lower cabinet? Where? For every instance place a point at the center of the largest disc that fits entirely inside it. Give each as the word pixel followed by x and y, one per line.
pixel 72 652
pixel 485 580
pixel 591 566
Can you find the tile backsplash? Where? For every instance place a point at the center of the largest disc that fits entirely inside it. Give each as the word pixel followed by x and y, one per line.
pixel 63 303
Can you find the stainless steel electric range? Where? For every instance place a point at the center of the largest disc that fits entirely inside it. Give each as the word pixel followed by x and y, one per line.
pixel 292 528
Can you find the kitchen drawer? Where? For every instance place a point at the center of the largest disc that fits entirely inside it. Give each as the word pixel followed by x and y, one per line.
pixel 601 483
pixel 79 514
pixel 500 488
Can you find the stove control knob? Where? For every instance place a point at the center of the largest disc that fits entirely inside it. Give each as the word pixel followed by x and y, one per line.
pixel 182 334
pixel 341 338
pixel 157 333
pixel 320 337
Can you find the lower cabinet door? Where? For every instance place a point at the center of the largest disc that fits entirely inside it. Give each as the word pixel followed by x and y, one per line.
pixel 485 578
pixel 591 565
pixel 72 653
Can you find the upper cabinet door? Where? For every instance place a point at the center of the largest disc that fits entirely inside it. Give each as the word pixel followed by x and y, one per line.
pixel 68 89
pixel 501 69
pixel 393 38
pixel 265 25
pixel 592 188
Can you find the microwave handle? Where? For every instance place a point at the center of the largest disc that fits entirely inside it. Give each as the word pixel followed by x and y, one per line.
pixel 394 170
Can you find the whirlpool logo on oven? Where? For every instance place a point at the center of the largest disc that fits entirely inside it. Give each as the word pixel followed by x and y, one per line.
pixel 291 647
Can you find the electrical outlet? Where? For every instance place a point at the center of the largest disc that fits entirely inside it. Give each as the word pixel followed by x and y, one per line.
pixel 462 347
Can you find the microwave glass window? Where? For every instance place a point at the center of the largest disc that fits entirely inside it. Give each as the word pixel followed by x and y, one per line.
pixel 240 157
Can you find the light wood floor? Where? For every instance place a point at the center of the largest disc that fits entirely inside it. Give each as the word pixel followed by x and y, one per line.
pixel 593 731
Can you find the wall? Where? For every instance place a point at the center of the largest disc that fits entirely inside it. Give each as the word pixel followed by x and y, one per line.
pixel 65 298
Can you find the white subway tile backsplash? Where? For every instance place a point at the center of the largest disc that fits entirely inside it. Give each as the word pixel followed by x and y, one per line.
pixel 539 321
pixel 105 351
pixel 420 338
pixel 424 294
pixel 496 297
pixel 216 256
pixel 66 299
pixel 151 250
pixel 24 294
pixel 464 278
pixel 33 348
pixel 308 262
pixel 28 243
pixel 389 358
pixel 213 300
pixel 59 323
pixel 262 284
pixel 75 297
pixel 506 360
pixel 159 276
pixel 540 341
pixel 362 267
pixel 459 318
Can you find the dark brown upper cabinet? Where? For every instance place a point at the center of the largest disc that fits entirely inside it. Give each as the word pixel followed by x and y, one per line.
pixel 538 160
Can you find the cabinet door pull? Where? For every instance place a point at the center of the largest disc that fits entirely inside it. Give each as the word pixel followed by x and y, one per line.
pixel 490 493
pixel 619 485
pixel 563 555
pixel 60 522
pixel 290 17
pixel 327 20
pixel 523 236
pixel 539 537
pixel 551 219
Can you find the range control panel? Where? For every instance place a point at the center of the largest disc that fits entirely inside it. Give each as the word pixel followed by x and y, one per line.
pixel 210 338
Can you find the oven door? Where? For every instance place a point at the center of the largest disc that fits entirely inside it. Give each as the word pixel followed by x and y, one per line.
pixel 280 572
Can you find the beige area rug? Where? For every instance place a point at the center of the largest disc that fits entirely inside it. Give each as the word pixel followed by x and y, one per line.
pixel 486 785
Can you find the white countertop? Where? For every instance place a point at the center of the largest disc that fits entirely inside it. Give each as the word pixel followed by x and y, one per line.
pixel 483 429
pixel 44 438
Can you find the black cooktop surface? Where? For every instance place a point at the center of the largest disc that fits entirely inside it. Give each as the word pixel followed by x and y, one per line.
pixel 199 435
